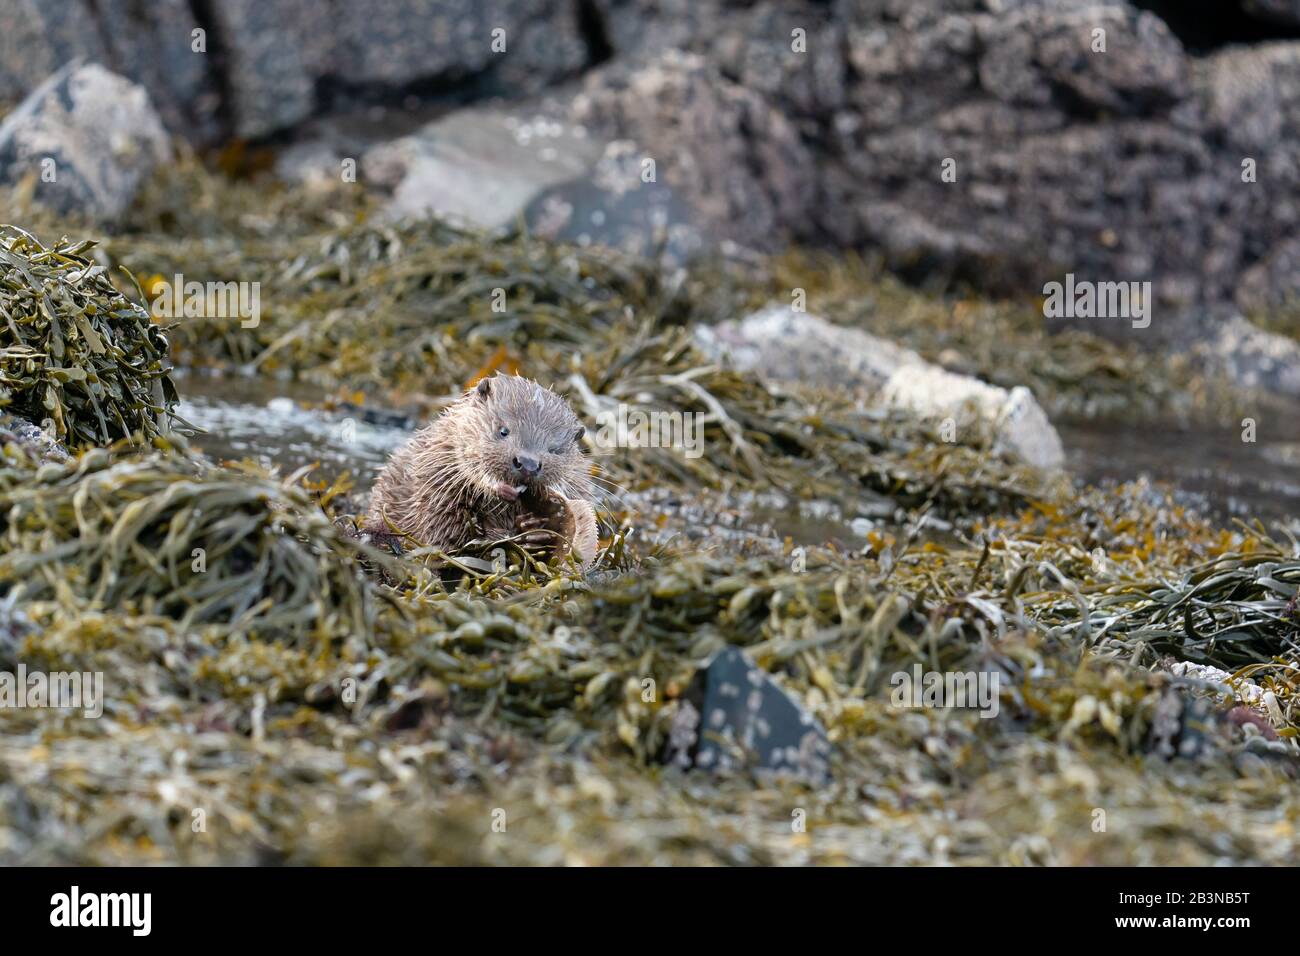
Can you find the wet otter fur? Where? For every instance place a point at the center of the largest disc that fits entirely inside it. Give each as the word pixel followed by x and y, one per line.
pixel 504 459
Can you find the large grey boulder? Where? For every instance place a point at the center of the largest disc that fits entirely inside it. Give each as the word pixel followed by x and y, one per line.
pixel 1079 138
pixel 1005 142
pixel 782 344
pixel 257 67
pixel 479 168
pixel 1252 101
pixel 393 43
pixel 272 54
pixel 612 203
pixel 494 169
pixel 735 160
pixel 282 58
pixel 151 44
pixel 86 139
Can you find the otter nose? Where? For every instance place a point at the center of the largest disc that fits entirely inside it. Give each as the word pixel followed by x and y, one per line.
pixel 528 466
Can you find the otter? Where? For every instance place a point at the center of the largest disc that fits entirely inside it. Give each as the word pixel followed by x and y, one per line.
pixel 503 460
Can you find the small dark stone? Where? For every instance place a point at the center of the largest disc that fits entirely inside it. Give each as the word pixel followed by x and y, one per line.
pixel 734 716
pixel 1181 726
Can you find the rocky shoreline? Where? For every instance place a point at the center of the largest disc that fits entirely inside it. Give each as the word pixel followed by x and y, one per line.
pixel 1001 146
pixel 308 700
pixel 876 508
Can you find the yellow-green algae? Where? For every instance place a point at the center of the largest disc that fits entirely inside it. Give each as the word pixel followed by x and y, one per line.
pixel 306 699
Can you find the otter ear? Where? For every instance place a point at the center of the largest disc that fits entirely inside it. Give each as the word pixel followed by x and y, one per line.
pixel 577 436
pixel 484 387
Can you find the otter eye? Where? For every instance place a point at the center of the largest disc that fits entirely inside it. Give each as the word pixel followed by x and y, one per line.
pixel 503 431
pixel 577 437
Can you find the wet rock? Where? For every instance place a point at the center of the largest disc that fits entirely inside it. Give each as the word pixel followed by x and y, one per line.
pixel 492 169
pixel 36 442
pixel 1253 357
pixel 283 58
pixel 611 204
pixel 733 716
pixel 478 167
pixel 152 47
pixel 87 138
pixel 1181 725
pixel 781 343
pixel 727 153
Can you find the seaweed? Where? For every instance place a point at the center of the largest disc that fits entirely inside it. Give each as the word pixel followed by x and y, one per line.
pixel 76 352
pixel 281 689
pixel 162 534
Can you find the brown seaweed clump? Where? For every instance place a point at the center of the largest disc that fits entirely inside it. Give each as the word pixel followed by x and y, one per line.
pixel 162 534
pixel 74 351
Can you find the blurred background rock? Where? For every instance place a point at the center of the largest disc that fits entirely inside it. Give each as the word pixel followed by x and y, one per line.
pixel 1125 164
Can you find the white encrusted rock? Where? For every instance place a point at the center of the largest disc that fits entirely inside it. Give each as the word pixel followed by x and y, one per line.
pixel 783 344
pixel 1020 427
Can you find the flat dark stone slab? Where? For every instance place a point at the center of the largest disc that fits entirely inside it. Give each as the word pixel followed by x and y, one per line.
pixel 734 717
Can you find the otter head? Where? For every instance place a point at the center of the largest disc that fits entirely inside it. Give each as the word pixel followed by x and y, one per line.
pixel 531 436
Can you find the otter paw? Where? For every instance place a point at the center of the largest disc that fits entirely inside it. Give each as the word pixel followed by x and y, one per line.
pixel 531 522
pixel 536 534
pixel 506 491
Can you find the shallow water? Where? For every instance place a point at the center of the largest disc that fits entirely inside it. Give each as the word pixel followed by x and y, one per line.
pixel 1217 472
pixel 274 424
